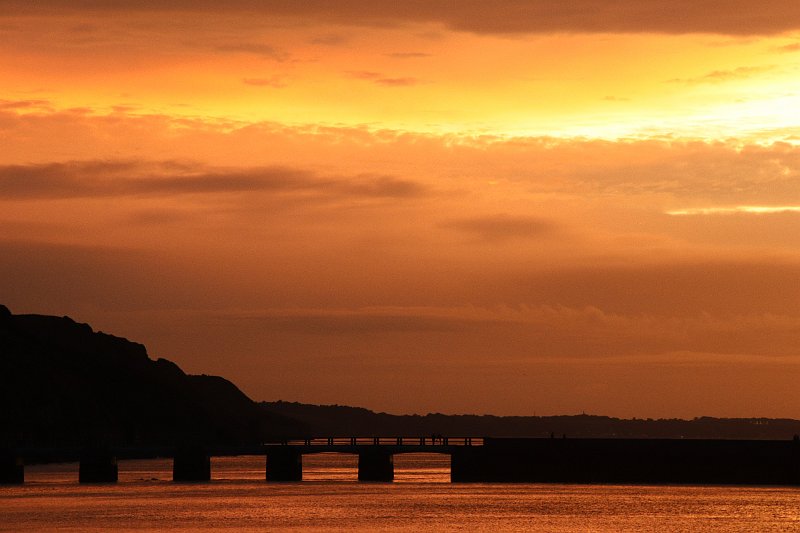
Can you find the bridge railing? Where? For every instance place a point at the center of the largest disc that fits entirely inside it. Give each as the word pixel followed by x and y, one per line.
pixel 387 441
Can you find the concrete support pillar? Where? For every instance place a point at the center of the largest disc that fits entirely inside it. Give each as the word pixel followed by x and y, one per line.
pixel 375 465
pixel 98 466
pixel 191 464
pixel 12 468
pixel 795 461
pixel 284 465
pixel 458 466
pixel 467 465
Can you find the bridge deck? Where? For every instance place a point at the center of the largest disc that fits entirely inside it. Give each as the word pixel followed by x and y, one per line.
pixel 393 445
pixel 361 448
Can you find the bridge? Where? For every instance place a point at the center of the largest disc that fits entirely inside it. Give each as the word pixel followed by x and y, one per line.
pixel 472 459
pixel 375 455
pixel 193 462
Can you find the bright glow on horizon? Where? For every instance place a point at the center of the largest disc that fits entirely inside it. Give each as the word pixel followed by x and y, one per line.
pixel 751 209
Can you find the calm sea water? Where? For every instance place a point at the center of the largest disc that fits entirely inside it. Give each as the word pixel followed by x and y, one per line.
pixel 330 499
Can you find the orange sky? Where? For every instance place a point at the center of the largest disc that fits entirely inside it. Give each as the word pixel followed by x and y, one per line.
pixel 515 207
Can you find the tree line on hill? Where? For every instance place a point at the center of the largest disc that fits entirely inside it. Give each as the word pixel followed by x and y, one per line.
pixel 343 421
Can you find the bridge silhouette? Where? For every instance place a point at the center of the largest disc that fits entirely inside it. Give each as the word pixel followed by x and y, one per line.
pixel 192 462
pixel 472 459
pixel 375 454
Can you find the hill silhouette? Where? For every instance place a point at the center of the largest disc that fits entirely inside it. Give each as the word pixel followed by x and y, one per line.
pixel 63 384
pixel 343 421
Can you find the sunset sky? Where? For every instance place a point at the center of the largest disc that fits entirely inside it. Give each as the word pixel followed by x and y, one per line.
pixel 507 207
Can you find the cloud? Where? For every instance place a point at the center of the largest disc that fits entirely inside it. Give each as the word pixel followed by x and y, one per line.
pixel 719 76
pixel 157 216
pixel 125 108
pixel 494 228
pixel 408 55
pixel 355 322
pixel 794 47
pixel 383 186
pixel 397 82
pixel 681 173
pixel 665 288
pixel 22 105
pixel 731 17
pixel 85 179
pixel 363 74
pixel 59 180
pixel 273 81
pixel 380 79
pixel 507 365
pixel 539 333
pixel 585 312
pixel 263 50
pixel 330 39
pixel 715 173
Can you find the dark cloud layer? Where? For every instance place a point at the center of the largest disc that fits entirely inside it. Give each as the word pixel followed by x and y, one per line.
pixel 559 325
pixel 542 332
pixel 362 323
pixel 732 17
pixel 502 227
pixel 683 288
pixel 127 178
pixel 23 104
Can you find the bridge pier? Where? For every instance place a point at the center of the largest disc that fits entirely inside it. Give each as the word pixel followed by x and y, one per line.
pixel 284 465
pixel 375 465
pixel 12 468
pixel 98 466
pixel 191 464
pixel 466 465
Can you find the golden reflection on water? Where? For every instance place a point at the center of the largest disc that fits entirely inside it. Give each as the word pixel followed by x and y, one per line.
pixel 329 498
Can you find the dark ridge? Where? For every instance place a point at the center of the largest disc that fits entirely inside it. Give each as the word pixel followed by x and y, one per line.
pixel 342 421
pixel 63 384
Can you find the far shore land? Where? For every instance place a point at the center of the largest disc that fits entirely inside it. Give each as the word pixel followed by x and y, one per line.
pixel 87 388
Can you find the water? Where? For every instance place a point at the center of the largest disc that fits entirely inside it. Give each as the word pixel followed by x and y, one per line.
pixel 330 499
